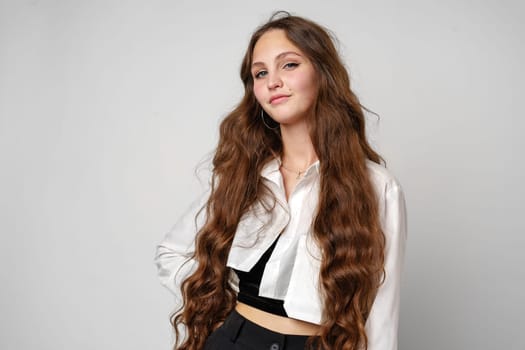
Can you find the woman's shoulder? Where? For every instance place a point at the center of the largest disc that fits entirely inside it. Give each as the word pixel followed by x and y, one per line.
pixel 382 178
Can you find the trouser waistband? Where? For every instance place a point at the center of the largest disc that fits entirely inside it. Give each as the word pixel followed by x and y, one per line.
pixel 241 330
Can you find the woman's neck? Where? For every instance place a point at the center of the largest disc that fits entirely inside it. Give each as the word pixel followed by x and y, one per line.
pixel 298 150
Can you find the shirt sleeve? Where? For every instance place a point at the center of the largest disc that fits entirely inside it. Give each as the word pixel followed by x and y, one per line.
pixel 383 320
pixel 173 255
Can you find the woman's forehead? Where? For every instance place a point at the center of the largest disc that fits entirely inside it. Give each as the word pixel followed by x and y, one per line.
pixel 273 45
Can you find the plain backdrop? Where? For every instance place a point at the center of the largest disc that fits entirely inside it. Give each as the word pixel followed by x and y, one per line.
pixel 107 107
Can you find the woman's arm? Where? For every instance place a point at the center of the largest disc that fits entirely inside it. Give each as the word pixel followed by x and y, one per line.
pixel 173 256
pixel 382 323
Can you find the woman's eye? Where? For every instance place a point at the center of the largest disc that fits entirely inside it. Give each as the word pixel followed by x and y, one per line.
pixel 260 74
pixel 290 65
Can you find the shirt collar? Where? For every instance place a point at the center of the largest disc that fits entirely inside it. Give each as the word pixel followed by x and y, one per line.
pixel 271 171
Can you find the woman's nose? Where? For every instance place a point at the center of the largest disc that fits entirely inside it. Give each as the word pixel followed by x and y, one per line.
pixel 274 81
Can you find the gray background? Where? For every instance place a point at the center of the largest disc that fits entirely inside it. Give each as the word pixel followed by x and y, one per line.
pixel 106 107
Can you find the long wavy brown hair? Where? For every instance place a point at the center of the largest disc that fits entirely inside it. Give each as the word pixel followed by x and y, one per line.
pixel 346 226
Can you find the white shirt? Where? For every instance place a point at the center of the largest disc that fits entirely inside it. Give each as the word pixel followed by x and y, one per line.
pixel 292 272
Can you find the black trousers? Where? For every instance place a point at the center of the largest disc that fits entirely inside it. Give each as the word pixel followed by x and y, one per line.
pixel 237 333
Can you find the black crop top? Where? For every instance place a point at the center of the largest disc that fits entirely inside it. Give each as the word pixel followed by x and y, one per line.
pixel 249 287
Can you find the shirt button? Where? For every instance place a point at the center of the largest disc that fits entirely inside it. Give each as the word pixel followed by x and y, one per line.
pixel 274 346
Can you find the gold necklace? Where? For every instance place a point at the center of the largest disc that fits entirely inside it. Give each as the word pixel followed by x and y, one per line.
pixel 294 171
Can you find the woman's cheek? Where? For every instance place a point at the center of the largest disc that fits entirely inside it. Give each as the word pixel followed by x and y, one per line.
pixel 257 91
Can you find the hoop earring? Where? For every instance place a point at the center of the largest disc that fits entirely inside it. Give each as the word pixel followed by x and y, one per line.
pixel 263 117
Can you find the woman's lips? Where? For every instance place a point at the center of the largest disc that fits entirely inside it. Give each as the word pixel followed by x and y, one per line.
pixel 278 99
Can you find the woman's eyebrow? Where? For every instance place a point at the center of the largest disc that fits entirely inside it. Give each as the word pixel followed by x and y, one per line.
pixel 279 56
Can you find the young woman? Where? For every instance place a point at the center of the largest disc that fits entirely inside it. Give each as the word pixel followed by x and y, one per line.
pixel 300 240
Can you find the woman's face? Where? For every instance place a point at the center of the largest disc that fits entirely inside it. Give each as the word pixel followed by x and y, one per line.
pixel 284 80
